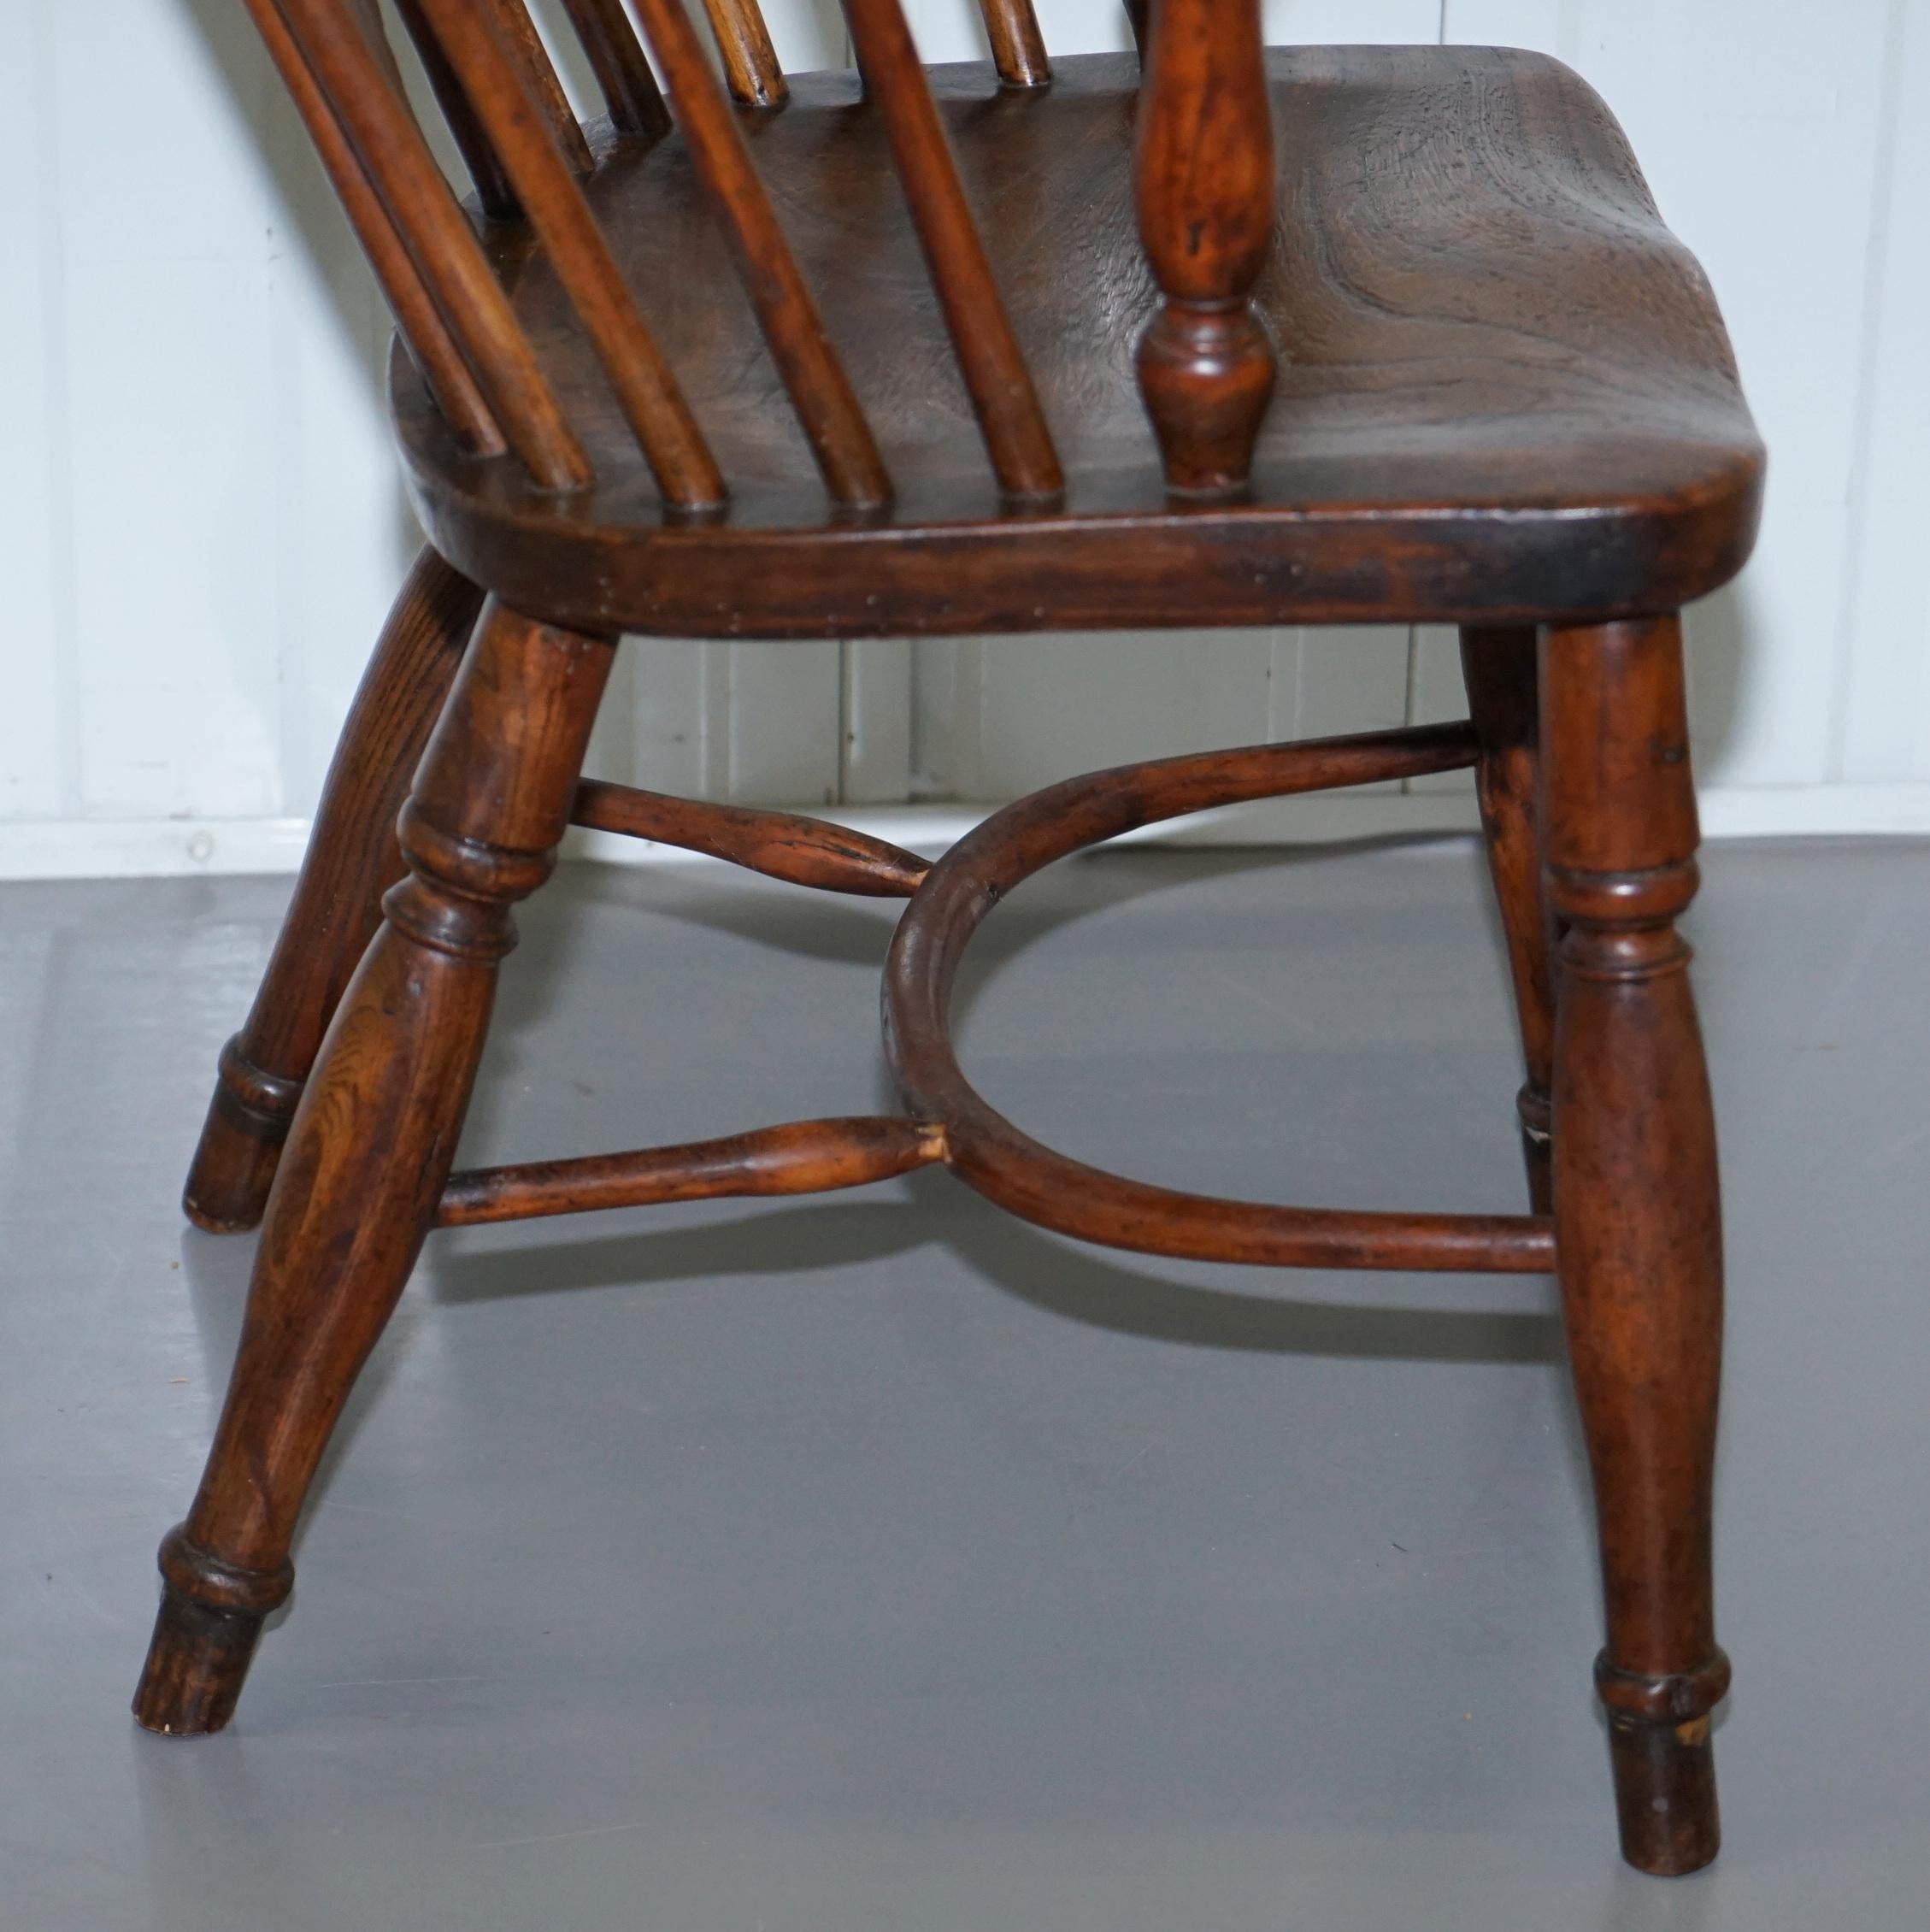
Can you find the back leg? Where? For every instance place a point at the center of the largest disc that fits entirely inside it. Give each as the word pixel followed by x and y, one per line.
pixel 1499 666
pixel 352 859
pixel 372 1143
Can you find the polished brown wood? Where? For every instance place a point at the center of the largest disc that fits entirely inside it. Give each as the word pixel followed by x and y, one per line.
pixel 741 376
pixel 645 388
pixel 1032 1180
pixel 630 91
pixel 1500 669
pixel 372 1140
pixel 1636 1210
pixel 989 358
pixel 805 851
pixel 1504 396
pixel 743 45
pixel 417 322
pixel 1018 48
pixel 352 859
pixel 494 194
pixel 810 1157
pixel 1203 185
pixel 438 238
pixel 516 32
pixel 820 392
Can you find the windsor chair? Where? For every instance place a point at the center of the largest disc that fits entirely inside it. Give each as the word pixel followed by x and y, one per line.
pixel 1396 335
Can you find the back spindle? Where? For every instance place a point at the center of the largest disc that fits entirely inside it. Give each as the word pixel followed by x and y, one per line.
pixel 623 76
pixel 518 34
pixel 1203 185
pixel 1000 385
pixel 513 114
pixel 833 423
pixel 1018 48
pixel 423 329
pixel 751 71
pixel 350 78
pixel 492 187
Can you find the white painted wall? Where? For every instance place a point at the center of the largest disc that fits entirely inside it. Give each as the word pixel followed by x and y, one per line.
pixel 202 527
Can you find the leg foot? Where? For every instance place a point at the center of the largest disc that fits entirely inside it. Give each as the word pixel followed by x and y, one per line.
pixel 241 1142
pixel 352 857
pixel 205 1636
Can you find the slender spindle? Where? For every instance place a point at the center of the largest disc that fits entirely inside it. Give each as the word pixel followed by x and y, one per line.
pixel 421 328
pixel 833 423
pixel 806 1157
pixel 744 44
pixel 1018 48
pixel 519 36
pixel 1204 188
pixel 1014 426
pixel 439 240
pixel 645 388
pixel 623 76
pixel 806 851
pixel 493 190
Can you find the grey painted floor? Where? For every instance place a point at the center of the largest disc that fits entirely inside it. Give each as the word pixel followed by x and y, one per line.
pixel 876 1562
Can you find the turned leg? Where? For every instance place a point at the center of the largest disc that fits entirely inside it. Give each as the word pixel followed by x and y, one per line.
pixel 1499 668
pixel 1638 1225
pixel 371 1144
pixel 352 857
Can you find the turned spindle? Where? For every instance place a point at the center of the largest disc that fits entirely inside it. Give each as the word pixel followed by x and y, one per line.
pixel 1203 186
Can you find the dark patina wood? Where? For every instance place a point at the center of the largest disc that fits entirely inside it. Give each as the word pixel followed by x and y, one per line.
pixel 1256 336
pixel 1636 1211
pixel 352 859
pixel 1499 668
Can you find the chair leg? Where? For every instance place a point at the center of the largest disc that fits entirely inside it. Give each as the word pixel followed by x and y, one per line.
pixel 1638 1222
pixel 372 1141
pixel 352 858
pixel 1499 668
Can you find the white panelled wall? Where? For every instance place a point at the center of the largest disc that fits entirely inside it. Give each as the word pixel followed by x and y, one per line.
pixel 202 527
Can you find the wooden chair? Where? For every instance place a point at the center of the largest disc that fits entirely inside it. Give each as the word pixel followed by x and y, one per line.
pixel 1400 338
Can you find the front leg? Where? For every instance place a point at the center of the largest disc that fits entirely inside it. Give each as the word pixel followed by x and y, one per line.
pixel 1638 1222
pixel 372 1142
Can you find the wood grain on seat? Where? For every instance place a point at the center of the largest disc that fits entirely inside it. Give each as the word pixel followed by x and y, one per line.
pixel 1504 387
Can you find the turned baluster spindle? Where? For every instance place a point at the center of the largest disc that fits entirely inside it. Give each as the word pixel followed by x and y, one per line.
pixel 1203 185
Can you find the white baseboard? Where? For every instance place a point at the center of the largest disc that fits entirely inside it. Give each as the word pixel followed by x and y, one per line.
pixel 174 848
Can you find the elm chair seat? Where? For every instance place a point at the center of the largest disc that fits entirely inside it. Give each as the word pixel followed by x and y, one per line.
pixel 1504 387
